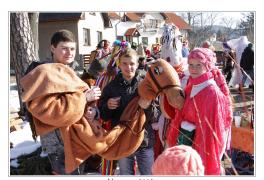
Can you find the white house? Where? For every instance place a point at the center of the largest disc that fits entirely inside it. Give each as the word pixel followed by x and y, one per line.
pixel 149 26
pixel 91 27
pixel 88 27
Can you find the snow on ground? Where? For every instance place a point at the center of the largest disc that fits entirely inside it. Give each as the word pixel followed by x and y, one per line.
pixel 21 140
pixel 13 98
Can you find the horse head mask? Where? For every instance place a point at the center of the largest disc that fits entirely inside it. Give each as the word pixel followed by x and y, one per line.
pixel 162 78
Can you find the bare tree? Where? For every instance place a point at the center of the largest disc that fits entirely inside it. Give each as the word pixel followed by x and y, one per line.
pixel 230 27
pixel 202 24
pixel 193 18
pixel 34 21
pixel 247 25
pixel 22 48
pixel 209 18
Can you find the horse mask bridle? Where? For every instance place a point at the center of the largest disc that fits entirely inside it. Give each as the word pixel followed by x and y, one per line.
pixel 159 70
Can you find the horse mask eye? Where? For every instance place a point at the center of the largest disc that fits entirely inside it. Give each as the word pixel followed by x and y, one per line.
pixel 158 70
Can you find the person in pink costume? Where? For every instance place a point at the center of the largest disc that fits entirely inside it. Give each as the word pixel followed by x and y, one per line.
pixel 207 113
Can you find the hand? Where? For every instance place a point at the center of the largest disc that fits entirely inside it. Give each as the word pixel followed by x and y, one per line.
pixel 90 113
pixel 113 103
pixel 93 94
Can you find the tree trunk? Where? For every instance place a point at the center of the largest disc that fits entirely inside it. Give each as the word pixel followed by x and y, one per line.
pixel 33 20
pixel 22 49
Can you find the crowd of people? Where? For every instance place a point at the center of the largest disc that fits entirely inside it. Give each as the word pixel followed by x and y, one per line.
pixel 197 135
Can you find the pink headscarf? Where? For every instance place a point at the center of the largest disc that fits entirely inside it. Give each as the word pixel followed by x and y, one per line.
pixel 205 55
pixel 208 58
pixel 178 160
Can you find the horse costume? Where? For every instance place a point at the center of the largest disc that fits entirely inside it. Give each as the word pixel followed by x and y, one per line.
pixel 55 97
pixel 161 79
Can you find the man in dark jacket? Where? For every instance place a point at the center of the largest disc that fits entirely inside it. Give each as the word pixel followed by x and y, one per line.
pixel 247 62
pixel 115 97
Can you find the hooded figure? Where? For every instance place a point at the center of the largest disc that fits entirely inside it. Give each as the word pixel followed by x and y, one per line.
pixel 239 46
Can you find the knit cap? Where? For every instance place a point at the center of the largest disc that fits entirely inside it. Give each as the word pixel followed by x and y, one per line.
pixel 206 56
pixel 178 160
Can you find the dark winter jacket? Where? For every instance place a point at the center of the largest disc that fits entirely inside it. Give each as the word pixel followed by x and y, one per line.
pixel 120 87
pixel 247 58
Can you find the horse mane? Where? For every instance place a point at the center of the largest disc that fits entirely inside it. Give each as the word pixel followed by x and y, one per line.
pixel 171 49
pixel 168 34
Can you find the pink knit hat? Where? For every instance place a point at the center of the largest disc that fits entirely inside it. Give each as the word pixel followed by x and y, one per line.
pixel 205 55
pixel 178 160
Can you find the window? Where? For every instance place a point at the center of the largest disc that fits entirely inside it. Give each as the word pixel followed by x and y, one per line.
pixel 99 36
pixel 86 37
pixel 145 40
pixel 152 23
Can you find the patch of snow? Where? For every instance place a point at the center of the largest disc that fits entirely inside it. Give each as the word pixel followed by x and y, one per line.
pixel 23 142
pixel 14 100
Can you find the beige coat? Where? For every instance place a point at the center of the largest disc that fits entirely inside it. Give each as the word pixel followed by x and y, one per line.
pixel 55 97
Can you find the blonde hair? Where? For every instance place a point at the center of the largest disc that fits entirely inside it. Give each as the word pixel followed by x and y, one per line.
pixel 128 53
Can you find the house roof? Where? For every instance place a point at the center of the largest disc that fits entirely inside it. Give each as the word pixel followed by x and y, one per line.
pixel 169 18
pixel 48 17
pixel 132 32
pixel 134 16
pixel 113 15
pixel 176 20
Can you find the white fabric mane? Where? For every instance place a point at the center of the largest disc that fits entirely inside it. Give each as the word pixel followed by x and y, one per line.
pixel 239 46
pixel 171 45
